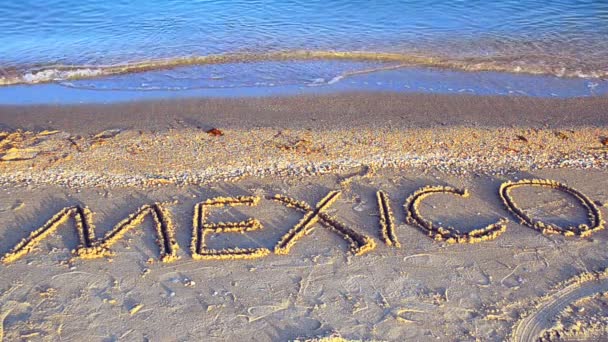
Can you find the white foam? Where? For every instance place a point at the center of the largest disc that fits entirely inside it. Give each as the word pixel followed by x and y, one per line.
pixel 59 75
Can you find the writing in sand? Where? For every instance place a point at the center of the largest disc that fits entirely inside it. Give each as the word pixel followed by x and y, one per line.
pixel 91 247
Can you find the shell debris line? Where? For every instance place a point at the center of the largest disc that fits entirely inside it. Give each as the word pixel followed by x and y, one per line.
pixel 359 243
pixel 201 229
pixel 387 220
pixel 449 234
pixel 189 156
pixel 593 212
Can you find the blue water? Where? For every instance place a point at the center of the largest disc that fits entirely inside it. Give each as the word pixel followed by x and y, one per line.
pixel 154 45
pixel 404 80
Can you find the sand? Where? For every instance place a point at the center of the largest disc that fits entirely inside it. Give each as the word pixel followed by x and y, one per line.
pixel 350 110
pixel 366 228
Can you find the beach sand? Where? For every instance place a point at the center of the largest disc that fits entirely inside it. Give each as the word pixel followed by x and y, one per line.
pixel 330 256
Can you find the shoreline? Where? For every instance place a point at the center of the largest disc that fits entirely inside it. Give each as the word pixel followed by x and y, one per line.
pixel 346 110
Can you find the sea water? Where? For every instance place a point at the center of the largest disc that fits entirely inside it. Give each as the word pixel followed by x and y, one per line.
pixel 121 49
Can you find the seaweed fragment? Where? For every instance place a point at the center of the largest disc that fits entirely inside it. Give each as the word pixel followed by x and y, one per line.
pixel 593 213
pixel 449 234
pixel 359 243
pixel 215 132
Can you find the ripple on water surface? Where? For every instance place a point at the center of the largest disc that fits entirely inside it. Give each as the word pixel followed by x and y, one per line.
pixel 191 46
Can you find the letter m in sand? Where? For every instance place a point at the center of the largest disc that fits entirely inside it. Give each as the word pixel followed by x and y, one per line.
pixel 88 246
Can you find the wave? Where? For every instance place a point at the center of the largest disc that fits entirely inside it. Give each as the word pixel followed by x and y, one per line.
pixel 528 64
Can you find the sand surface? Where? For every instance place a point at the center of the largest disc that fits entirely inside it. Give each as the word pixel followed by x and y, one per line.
pixel 337 111
pixel 319 252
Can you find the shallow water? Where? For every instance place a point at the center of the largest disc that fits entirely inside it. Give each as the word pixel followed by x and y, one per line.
pixel 125 88
pixel 179 44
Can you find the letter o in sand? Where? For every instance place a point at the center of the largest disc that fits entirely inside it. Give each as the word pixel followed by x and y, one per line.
pixel 594 214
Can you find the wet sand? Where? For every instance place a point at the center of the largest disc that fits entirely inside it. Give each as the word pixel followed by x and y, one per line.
pixel 349 110
pixel 319 252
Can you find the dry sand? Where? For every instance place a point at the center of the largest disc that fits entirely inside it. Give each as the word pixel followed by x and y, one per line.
pixel 353 268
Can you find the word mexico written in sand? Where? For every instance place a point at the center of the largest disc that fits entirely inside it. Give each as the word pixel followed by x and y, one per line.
pixel 91 247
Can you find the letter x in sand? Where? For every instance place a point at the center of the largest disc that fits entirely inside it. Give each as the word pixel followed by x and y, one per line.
pixel 359 243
